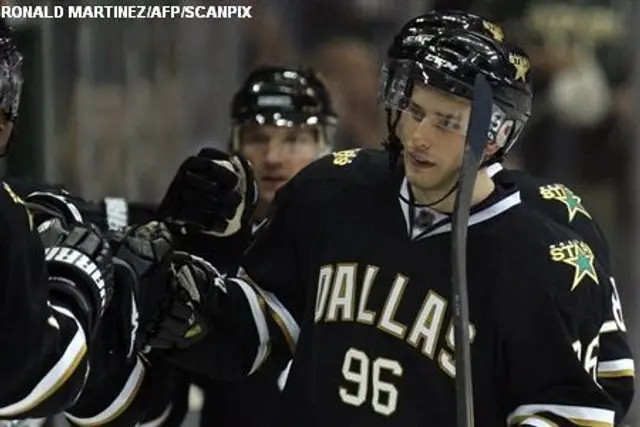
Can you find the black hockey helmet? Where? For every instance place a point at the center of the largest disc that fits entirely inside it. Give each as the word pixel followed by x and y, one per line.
pixel 10 76
pixel 447 50
pixel 284 97
pixel 10 73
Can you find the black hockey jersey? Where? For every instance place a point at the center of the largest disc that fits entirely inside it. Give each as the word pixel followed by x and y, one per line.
pixel 616 370
pixel 118 392
pixel 43 344
pixel 340 275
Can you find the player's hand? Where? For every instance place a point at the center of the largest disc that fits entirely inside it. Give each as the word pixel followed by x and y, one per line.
pixel 212 193
pixel 79 260
pixel 141 259
pixel 195 290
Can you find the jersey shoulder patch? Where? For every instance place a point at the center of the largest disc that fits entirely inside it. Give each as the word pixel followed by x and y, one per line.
pixel 559 193
pixel 338 173
pixel 548 256
pixel 578 258
pixel 345 157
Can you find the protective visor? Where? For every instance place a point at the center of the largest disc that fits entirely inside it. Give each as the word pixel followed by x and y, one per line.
pixel 398 77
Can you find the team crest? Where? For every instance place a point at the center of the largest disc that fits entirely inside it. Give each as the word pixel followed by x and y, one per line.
pixel 578 255
pixel 494 29
pixel 341 158
pixel 562 194
pixel 521 65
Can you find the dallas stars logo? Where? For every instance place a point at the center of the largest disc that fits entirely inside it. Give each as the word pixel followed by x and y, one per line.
pixel 522 66
pixel 562 194
pixel 494 29
pixel 341 158
pixel 578 255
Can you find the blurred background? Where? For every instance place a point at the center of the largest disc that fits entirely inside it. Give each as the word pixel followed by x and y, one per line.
pixel 111 107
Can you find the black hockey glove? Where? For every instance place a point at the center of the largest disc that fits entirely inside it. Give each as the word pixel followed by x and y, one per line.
pixel 79 258
pixel 141 260
pixel 79 262
pixel 185 316
pixel 213 193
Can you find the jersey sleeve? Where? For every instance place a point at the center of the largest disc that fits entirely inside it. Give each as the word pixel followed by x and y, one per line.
pixel 616 367
pixel 133 393
pixel 117 400
pixel 561 204
pixel 265 303
pixel 551 345
pixel 44 345
pixel 256 326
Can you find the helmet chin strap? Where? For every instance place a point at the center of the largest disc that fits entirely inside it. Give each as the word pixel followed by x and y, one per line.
pixel 415 204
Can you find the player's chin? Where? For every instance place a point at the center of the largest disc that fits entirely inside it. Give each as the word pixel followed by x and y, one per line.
pixel 267 194
pixel 425 175
pixel 425 180
pixel 269 187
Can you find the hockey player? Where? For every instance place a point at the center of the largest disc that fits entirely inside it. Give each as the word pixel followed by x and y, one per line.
pixel 352 270
pixel 616 365
pixel 282 121
pixel 61 337
pixel 50 309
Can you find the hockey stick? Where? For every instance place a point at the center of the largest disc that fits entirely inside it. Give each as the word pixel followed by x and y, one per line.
pixel 475 144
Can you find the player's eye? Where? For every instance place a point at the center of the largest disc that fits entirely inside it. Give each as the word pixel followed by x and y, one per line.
pixel 416 112
pixel 256 139
pixel 448 122
pixel 291 139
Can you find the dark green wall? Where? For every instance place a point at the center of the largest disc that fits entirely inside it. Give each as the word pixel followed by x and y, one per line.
pixel 26 154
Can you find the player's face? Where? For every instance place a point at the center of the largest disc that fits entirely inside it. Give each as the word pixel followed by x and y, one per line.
pixel 432 131
pixel 277 154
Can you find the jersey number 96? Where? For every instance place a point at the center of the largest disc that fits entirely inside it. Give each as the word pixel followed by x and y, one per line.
pixel 367 383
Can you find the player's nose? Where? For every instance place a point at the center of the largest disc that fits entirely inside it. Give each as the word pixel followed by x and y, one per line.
pixel 422 137
pixel 273 155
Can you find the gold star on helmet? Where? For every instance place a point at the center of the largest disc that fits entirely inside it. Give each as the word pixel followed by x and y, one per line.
pixel 522 66
pixel 494 29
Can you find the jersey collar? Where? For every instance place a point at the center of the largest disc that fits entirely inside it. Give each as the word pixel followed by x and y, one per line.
pixel 500 201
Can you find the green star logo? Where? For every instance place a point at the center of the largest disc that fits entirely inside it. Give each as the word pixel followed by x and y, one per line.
pixel 578 255
pixel 562 194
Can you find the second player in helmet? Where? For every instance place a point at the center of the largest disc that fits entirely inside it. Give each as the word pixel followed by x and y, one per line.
pixel 282 120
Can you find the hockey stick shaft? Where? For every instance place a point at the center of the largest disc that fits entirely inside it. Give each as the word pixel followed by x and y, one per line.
pixel 475 144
